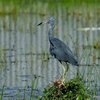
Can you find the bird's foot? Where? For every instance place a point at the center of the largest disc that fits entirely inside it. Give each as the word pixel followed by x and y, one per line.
pixel 59 83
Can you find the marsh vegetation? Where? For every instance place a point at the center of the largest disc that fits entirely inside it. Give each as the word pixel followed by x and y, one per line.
pixel 25 62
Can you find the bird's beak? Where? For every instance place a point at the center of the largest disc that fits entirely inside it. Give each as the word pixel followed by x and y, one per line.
pixel 44 22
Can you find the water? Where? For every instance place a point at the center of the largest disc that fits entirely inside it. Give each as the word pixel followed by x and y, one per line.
pixel 15 93
pixel 25 57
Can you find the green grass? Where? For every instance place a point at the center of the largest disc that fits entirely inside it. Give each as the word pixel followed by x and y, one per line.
pixel 1 96
pixel 17 6
pixel 3 53
pixel 72 6
pixel 72 90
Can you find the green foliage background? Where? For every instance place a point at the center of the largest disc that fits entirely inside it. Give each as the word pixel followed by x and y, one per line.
pixel 13 6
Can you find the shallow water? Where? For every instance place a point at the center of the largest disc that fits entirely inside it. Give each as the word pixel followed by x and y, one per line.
pixel 18 93
pixel 25 57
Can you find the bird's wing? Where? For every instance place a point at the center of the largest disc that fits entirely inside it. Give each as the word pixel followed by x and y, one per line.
pixel 62 46
pixel 63 50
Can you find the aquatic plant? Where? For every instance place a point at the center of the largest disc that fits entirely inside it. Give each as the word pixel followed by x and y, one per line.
pixel 72 90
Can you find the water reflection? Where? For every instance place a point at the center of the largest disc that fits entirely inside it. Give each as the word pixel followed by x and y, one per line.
pixel 24 52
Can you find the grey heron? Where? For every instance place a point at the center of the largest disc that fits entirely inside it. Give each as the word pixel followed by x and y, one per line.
pixel 59 49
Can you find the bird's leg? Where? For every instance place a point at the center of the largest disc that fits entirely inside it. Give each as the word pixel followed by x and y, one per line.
pixel 64 72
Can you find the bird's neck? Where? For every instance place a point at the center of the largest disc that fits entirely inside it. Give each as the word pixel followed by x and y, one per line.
pixel 50 33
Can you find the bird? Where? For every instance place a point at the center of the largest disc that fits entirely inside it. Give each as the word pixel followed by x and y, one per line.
pixel 59 49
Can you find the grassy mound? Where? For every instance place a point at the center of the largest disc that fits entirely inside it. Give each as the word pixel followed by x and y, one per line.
pixel 72 90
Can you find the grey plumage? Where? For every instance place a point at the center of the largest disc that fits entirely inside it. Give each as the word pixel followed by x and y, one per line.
pixel 59 49
pixel 61 52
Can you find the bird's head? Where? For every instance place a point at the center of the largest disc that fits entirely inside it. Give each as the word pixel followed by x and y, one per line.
pixel 49 20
